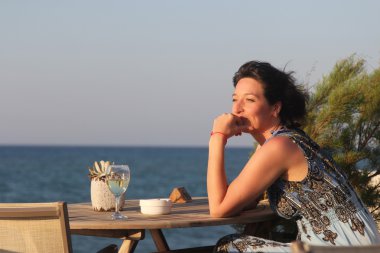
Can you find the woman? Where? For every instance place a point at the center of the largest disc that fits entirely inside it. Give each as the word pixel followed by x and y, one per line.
pixel 303 183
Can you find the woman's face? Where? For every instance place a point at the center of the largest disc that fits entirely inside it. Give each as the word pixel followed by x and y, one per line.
pixel 250 103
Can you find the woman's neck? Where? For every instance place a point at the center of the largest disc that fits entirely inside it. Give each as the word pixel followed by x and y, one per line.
pixel 262 137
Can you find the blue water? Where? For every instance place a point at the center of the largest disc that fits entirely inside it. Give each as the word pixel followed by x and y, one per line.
pixel 42 174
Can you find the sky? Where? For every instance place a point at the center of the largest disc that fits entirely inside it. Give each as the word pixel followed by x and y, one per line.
pixel 156 73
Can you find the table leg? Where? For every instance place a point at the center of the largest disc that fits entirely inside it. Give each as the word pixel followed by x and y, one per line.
pixel 159 240
pixel 128 246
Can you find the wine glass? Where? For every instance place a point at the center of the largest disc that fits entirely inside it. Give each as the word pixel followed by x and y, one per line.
pixel 117 178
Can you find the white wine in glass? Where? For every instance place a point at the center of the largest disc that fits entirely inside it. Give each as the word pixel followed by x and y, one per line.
pixel 117 178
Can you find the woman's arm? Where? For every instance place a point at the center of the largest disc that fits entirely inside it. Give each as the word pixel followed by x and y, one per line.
pixel 216 175
pixel 264 167
pixel 225 126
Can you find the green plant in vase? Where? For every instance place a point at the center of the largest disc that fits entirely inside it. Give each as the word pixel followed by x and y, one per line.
pixel 102 199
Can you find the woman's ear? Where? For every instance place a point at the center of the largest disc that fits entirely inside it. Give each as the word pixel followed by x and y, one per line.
pixel 277 109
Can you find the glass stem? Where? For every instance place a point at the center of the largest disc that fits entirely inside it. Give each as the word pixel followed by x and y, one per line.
pixel 117 201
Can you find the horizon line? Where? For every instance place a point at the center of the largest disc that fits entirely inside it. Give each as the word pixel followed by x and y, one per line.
pixel 116 146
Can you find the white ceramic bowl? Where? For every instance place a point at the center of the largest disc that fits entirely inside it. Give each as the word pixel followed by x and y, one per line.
pixel 155 206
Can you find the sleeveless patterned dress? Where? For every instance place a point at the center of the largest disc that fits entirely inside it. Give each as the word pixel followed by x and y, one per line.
pixel 324 205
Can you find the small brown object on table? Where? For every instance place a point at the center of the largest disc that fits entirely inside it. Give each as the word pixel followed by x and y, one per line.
pixel 85 221
pixel 180 195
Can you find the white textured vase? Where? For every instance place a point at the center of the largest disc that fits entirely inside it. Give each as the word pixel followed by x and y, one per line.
pixel 102 199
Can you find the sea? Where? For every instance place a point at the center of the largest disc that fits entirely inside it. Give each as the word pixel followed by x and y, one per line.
pixel 60 173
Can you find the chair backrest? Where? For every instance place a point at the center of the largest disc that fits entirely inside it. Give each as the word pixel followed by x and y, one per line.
pixel 34 227
pixel 300 247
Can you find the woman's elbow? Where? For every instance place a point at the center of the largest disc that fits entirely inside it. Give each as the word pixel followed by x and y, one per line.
pixel 216 214
pixel 219 214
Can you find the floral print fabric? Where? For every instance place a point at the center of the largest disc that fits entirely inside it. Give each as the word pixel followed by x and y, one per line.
pixel 246 243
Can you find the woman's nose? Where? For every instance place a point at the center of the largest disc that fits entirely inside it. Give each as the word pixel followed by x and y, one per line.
pixel 237 107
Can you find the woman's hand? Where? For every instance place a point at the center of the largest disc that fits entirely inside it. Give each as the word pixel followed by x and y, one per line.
pixel 230 125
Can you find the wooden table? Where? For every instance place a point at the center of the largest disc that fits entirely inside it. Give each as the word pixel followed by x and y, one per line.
pixel 85 221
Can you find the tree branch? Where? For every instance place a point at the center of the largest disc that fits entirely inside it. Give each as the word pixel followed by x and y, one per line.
pixel 370 135
pixel 360 132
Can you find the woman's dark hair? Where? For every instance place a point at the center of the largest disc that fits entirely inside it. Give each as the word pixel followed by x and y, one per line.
pixel 278 86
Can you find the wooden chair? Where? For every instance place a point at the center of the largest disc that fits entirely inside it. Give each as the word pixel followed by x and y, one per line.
pixel 300 247
pixel 36 227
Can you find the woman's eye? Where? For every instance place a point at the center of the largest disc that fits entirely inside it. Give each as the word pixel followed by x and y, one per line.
pixel 250 100
pixel 233 100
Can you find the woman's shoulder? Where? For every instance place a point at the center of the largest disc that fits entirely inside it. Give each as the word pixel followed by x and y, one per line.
pixel 280 144
pixel 280 148
pixel 287 143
